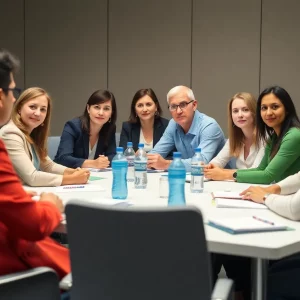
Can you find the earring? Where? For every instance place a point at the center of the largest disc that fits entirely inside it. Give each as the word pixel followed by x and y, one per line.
pixel 42 124
pixel 156 113
pixel 109 120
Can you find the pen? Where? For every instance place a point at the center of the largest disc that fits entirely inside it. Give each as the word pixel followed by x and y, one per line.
pixel 74 187
pixel 262 220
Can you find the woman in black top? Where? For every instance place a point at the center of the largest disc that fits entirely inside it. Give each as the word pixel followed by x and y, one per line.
pixel 145 124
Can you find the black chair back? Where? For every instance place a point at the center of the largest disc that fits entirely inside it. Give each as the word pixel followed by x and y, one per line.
pixel 137 254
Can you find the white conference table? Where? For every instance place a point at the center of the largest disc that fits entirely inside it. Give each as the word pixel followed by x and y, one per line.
pixel 261 247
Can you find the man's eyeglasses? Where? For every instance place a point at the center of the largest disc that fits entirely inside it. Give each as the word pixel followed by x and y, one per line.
pixel 181 105
pixel 16 91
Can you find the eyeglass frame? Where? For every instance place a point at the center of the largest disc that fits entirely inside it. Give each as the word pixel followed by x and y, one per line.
pixel 178 105
pixel 15 89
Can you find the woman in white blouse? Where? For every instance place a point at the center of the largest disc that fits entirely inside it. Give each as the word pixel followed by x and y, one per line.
pixel 242 143
pixel 287 204
pixel 243 146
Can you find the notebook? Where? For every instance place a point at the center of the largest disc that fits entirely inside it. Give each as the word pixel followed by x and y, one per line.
pixel 234 200
pixel 235 203
pixel 226 195
pixel 245 224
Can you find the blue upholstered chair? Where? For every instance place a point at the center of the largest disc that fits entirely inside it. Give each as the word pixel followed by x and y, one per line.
pixel 53 143
pixel 118 139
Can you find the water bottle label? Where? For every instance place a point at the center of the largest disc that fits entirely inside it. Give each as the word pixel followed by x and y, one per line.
pixel 140 166
pixel 197 170
pixel 130 162
pixel 197 181
pixel 140 180
pixel 176 191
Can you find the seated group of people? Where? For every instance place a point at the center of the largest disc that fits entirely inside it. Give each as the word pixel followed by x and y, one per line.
pixel 264 135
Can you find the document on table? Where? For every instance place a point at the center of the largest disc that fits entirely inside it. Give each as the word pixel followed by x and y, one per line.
pixel 93 178
pixel 234 200
pixel 79 188
pixel 245 224
pixel 110 202
pixel 99 170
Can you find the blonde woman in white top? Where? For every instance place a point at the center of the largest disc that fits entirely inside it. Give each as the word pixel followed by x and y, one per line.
pixel 243 146
pixel 242 143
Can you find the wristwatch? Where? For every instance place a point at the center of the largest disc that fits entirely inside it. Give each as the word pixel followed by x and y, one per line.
pixel 234 175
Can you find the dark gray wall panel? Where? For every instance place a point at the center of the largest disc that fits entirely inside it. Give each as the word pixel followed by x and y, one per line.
pixel 280 59
pixel 66 52
pixel 149 46
pixel 226 50
pixel 12 32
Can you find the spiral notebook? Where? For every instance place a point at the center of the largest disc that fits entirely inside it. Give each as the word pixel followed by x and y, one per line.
pixel 246 224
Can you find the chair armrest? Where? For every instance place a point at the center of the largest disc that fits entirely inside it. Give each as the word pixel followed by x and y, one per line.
pixel 223 290
pixel 66 283
pixel 24 274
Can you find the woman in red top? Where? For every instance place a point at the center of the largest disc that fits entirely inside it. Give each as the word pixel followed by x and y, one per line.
pixel 25 225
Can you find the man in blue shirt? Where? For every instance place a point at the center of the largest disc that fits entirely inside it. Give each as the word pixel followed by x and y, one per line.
pixel 187 130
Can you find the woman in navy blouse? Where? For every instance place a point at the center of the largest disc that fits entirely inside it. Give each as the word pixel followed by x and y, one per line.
pixel 89 140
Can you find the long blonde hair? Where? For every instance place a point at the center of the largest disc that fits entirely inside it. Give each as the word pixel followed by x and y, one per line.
pixel 236 135
pixel 39 135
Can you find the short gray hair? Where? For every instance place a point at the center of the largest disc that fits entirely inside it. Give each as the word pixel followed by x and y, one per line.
pixel 176 89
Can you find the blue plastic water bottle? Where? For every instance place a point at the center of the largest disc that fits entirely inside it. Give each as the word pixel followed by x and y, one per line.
pixel 119 169
pixel 176 174
pixel 197 176
pixel 140 168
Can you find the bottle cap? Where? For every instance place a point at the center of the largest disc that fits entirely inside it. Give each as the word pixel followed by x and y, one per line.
pixel 141 145
pixel 176 154
pixel 197 150
pixel 129 144
pixel 119 149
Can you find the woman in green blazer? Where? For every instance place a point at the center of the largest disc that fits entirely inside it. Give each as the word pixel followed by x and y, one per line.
pixel 279 126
